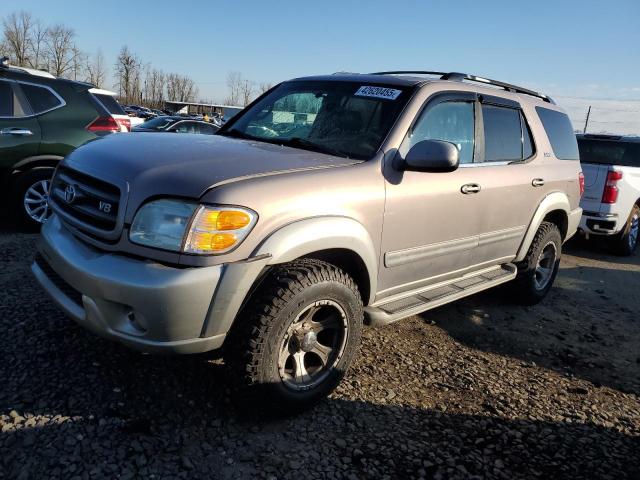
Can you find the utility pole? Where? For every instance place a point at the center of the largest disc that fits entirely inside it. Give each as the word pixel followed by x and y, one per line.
pixel 586 122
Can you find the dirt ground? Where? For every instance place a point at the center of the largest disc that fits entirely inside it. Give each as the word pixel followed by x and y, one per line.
pixel 478 389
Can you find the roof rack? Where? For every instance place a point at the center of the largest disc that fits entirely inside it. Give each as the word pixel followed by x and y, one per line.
pixel 4 65
pixel 459 77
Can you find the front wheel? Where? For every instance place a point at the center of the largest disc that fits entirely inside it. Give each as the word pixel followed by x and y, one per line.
pixel 31 197
pixel 298 336
pixel 627 241
pixel 538 270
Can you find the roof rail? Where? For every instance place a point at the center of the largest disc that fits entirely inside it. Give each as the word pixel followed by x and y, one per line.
pixel 459 77
pixel 4 65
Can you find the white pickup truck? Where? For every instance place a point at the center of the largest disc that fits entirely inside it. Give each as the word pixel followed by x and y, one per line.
pixel 611 200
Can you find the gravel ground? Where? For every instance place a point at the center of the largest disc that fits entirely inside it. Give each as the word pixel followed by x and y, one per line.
pixel 478 389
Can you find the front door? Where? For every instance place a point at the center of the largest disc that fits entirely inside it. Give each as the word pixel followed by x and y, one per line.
pixel 431 222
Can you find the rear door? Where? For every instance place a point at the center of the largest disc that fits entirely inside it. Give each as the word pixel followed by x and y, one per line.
pixel 19 130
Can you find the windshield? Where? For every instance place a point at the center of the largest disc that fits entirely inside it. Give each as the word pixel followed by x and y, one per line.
pixel 158 123
pixel 340 118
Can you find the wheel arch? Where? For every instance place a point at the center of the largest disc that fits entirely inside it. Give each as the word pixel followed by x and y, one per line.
pixel 342 241
pixel 554 208
pixel 37 161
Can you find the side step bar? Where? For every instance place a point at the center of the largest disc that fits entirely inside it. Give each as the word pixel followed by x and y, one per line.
pixel 439 294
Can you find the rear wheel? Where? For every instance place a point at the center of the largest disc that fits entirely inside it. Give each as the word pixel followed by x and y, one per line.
pixel 538 270
pixel 31 197
pixel 627 241
pixel 297 338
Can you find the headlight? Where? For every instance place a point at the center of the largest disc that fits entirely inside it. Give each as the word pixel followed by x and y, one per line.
pixel 184 226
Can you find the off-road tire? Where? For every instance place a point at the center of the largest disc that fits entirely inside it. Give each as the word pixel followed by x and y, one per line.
pixel 525 288
pixel 252 348
pixel 22 184
pixel 624 243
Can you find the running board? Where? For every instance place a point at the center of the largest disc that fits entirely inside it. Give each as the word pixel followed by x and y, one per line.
pixel 439 294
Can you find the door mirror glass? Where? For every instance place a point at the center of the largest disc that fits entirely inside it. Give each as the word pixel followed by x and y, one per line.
pixel 432 156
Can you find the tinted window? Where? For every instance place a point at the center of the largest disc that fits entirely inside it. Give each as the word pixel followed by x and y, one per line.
pixel 502 133
pixel 41 99
pixel 186 127
pixel 609 152
pixel 158 123
pixel 6 99
pixel 448 121
pixel 560 133
pixel 110 103
pixel 207 129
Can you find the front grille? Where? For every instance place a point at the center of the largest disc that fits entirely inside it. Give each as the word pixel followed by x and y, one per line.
pixel 58 281
pixel 86 199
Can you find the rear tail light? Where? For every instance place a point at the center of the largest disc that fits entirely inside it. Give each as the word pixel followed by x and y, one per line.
pixel 125 124
pixel 581 183
pixel 610 194
pixel 104 125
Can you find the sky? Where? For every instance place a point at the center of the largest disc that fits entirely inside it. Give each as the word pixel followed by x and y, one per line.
pixel 581 52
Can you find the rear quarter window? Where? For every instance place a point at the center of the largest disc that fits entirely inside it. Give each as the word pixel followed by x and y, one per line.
pixel 110 103
pixel 41 99
pixel 560 133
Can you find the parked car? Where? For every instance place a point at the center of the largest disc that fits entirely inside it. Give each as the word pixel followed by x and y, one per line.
pixel 176 124
pixel 611 201
pixel 42 119
pixel 275 239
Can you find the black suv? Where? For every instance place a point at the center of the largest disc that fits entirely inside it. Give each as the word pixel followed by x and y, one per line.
pixel 42 119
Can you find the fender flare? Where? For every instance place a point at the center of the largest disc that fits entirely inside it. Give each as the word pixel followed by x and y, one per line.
pixel 311 235
pixel 553 201
pixel 38 161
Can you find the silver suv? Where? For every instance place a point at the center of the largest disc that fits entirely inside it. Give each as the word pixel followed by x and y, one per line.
pixel 329 202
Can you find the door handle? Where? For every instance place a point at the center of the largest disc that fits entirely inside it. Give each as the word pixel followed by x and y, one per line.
pixel 537 182
pixel 16 131
pixel 470 188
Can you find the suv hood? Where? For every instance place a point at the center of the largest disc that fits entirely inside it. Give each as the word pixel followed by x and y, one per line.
pixel 187 165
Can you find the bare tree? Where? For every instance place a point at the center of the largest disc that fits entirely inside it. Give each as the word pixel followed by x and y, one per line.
pixel 246 91
pixel 181 88
pixel 17 36
pixel 96 69
pixel 61 50
pixel 127 75
pixel 154 87
pixel 37 46
pixel 234 84
pixel 264 86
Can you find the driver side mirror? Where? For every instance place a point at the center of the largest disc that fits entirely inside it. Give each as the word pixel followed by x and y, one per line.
pixel 432 156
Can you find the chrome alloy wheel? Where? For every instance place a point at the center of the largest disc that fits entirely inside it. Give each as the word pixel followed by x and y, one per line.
pixel 313 345
pixel 36 201
pixel 545 265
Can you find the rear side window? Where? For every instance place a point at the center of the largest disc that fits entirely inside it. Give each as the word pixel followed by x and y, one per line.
pixel 41 99
pixel 110 103
pixel 560 133
pixel 6 100
pixel 607 152
pixel 502 133
pixel 10 104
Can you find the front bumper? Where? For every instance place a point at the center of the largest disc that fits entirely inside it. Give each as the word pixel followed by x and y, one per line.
pixel 143 304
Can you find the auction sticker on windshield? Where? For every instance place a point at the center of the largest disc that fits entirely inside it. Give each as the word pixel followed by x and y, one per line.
pixel 378 92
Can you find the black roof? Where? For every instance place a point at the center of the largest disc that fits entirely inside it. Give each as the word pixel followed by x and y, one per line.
pixel 400 81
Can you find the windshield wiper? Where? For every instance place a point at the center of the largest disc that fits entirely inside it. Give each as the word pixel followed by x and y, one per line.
pixel 238 134
pixel 309 145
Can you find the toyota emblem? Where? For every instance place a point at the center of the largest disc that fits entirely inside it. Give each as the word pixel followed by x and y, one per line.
pixel 69 194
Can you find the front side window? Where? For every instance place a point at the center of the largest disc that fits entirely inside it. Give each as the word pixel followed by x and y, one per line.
pixel 341 118
pixel 560 133
pixel 502 134
pixel 448 121
pixel 41 99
